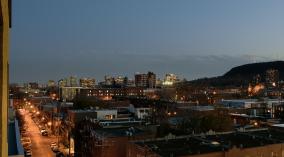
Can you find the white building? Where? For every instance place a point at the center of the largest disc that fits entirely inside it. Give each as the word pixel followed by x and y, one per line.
pixel 106 114
pixel 140 112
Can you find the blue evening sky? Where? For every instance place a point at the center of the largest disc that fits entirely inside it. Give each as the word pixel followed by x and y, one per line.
pixel 53 39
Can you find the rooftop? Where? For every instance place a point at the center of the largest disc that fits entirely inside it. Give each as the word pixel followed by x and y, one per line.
pixel 180 147
pixel 119 132
pixel 202 144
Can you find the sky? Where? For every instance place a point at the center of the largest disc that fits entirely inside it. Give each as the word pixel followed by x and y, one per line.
pixel 54 39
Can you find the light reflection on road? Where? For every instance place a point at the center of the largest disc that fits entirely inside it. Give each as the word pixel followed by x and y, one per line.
pixel 40 144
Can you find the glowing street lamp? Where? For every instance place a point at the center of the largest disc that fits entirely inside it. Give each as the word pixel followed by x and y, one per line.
pixel 49 123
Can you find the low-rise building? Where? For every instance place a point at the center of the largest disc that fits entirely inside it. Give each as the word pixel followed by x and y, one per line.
pixel 108 93
pixel 76 116
pixel 257 143
pixel 140 112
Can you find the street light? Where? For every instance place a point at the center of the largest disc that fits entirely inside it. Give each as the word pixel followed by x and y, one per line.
pixel 49 124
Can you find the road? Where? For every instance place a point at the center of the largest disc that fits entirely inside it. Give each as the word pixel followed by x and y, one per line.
pixel 40 144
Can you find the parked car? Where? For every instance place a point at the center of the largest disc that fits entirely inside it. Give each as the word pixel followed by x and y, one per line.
pixel 55 149
pixel 27 146
pixel 53 144
pixel 44 133
pixel 25 134
pixel 26 140
pixel 28 153
pixel 59 154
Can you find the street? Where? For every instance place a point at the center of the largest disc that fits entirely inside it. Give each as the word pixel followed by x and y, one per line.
pixel 40 144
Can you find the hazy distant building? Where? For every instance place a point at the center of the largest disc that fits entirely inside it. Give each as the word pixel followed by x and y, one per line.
pixel 145 80
pixel 109 81
pixel 62 83
pixel 119 80
pixel 129 82
pixel 116 82
pixel 51 83
pixel 87 83
pixel 33 85
pixel 256 80
pixel 68 82
pixel 73 82
pixel 170 79
pixel 159 83
pixel 151 80
pixel 141 80
pixel 272 77
pixel 69 93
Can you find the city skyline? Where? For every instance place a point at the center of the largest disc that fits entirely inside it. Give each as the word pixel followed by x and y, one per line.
pixel 192 39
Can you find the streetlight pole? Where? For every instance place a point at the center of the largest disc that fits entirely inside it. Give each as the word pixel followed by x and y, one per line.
pixel 59 92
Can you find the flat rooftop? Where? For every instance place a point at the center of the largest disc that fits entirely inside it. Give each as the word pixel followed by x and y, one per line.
pixel 241 140
pixel 197 144
pixel 180 147
pixel 119 132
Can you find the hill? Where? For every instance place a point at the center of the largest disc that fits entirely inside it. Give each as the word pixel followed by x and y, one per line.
pixel 242 75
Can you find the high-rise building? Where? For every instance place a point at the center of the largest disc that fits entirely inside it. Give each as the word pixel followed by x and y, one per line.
pixel 145 80
pixel 5 24
pixel 63 83
pixel 141 80
pixel 87 83
pixel 151 80
pixel 73 82
pixel 109 81
pixel 68 82
pixel 129 82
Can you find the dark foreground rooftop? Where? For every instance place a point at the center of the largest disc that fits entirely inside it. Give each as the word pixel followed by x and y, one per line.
pixel 202 144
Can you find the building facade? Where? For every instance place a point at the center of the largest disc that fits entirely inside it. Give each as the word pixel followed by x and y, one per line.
pixel 145 80
pixel 87 82
pixel 5 23
pixel 108 93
